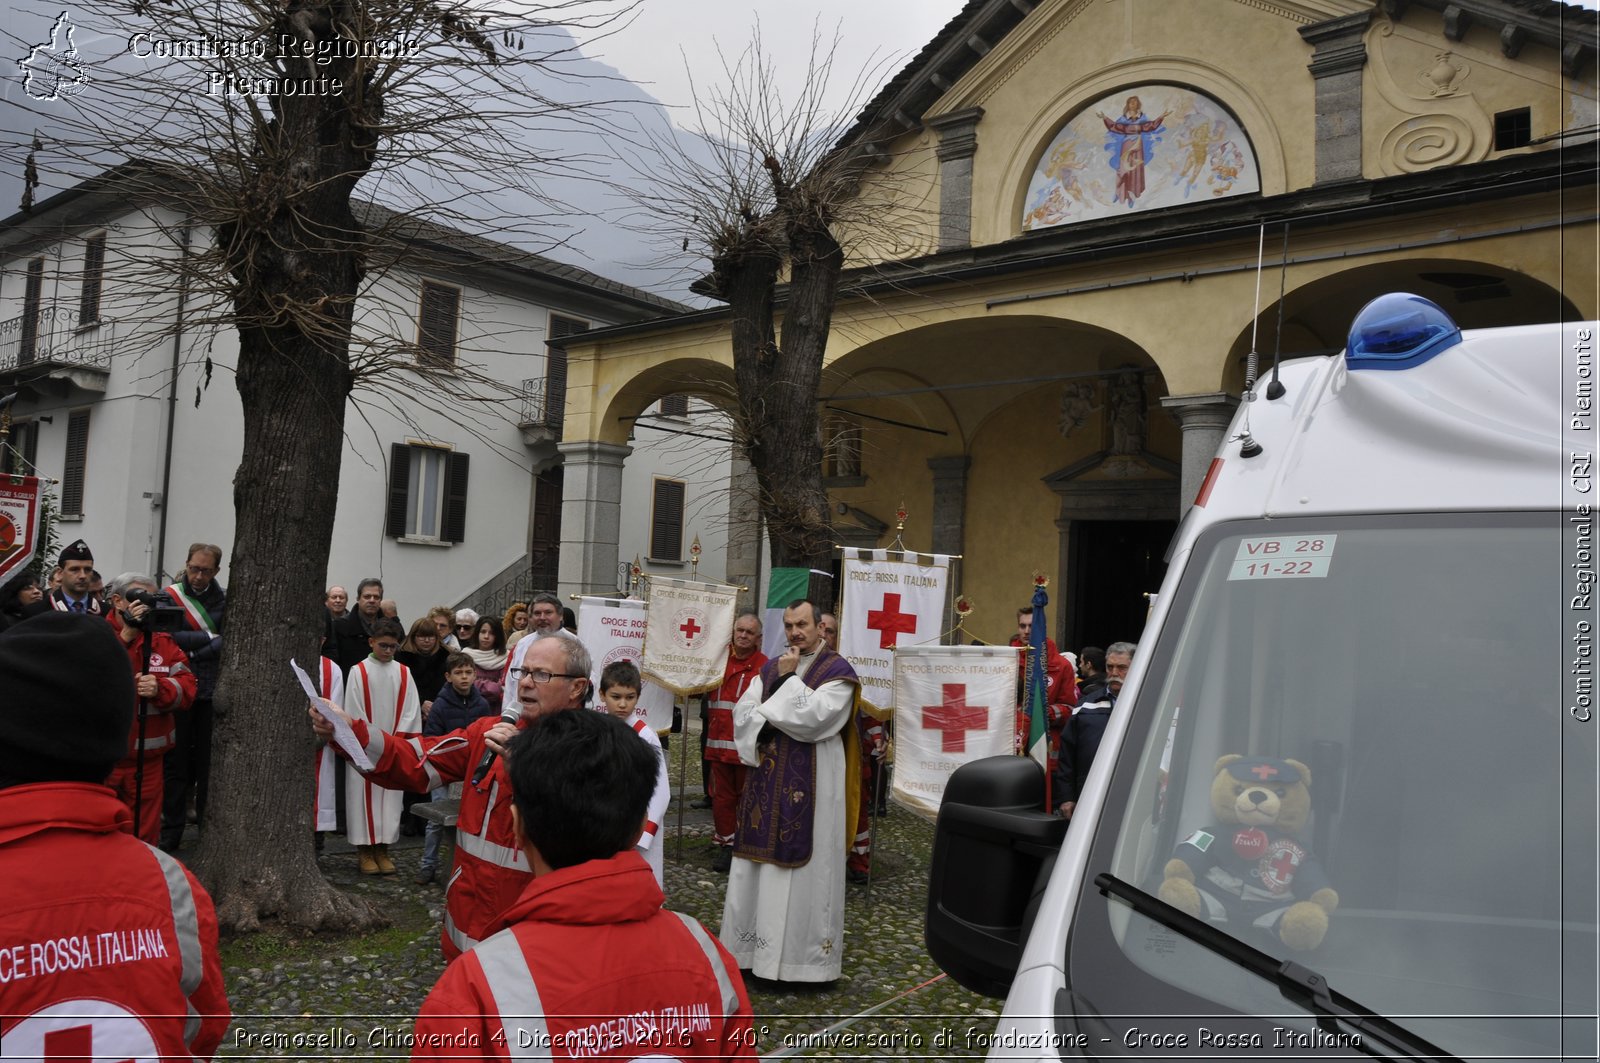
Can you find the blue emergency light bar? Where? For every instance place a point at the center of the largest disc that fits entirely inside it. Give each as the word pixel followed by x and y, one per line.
pixel 1398 331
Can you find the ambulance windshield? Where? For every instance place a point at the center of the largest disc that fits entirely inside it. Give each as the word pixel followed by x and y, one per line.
pixel 1352 749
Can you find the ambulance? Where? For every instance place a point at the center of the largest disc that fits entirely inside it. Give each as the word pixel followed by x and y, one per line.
pixel 1382 599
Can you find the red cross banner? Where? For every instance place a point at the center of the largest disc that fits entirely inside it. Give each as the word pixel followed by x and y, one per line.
pixel 19 523
pixel 952 704
pixel 689 626
pixel 612 629
pixel 891 599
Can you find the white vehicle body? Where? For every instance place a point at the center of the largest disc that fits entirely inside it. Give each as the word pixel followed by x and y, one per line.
pixel 1469 459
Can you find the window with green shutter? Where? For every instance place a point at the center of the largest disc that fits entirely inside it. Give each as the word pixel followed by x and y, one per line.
pixel 75 470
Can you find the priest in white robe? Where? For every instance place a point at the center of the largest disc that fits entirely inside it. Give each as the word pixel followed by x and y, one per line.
pixel 380 691
pixel 783 918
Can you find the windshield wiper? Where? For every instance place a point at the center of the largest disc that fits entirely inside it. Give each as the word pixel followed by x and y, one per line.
pixel 1297 982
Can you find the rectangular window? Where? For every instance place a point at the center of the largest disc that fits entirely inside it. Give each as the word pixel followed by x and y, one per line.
pixel 1512 129
pixel 94 265
pixel 675 406
pixel 32 305
pixel 427 493
pixel 555 382
pixel 437 323
pixel 841 446
pixel 75 468
pixel 666 520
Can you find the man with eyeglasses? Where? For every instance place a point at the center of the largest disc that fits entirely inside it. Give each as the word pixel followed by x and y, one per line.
pixel 491 868
pixel 187 765
pixel 544 621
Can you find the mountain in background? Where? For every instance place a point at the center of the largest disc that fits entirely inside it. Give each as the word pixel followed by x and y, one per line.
pixel 61 71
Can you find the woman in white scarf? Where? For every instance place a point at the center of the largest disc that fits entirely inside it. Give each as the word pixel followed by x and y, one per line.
pixel 487 648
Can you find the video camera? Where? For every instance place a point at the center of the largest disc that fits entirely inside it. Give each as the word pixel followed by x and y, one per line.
pixel 161 612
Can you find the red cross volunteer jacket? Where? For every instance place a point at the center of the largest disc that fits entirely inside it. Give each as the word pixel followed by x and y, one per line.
pixel 108 946
pixel 175 690
pixel 490 868
pixel 588 964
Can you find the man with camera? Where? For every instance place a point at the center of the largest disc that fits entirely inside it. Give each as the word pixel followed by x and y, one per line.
pixel 163 685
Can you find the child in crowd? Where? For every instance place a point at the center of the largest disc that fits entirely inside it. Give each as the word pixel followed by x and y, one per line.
pixel 459 703
pixel 619 695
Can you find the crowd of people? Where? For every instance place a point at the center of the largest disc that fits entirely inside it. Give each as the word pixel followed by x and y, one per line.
pixel 556 851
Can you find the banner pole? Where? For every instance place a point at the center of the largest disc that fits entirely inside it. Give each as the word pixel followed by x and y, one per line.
pixel 683 770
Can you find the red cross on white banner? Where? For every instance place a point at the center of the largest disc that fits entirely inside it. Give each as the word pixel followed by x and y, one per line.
pixel 954 718
pixel 690 629
pixel 889 622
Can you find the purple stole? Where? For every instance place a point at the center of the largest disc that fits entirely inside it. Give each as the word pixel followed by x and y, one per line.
pixel 777 804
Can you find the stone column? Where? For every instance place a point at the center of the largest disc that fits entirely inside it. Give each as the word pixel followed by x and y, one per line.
pixel 1336 65
pixel 744 530
pixel 591 515
pixel 958 143
pixel 949 502
pixel 1204 420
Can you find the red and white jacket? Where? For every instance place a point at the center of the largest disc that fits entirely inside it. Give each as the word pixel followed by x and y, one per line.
pixel 586 963
pixel 175 689
pixel 719 708
pixel 490 867
pixel 108 946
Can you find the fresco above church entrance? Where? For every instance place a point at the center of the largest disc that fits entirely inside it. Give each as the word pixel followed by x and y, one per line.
pixel 1139 148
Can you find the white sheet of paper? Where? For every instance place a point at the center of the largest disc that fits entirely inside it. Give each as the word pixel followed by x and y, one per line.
pixel 341 730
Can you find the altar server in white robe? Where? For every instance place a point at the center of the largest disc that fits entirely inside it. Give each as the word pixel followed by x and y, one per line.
pixel 324 806
pixel 783 917
pixel 380 691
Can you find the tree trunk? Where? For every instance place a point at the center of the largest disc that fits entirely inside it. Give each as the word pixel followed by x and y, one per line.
pixel 256 853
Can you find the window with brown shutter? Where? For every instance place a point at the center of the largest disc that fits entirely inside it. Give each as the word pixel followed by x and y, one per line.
pixel 76 467
pixel 32 300
pixel 675 406
pixel 666 520
pixel 555 387
pixel 437 323
pixel 94 264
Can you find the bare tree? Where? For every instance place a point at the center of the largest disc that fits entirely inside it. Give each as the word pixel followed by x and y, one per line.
pixel 261 121
pixel 771 196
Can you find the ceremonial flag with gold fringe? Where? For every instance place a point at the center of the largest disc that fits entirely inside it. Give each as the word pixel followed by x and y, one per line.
pixel 687 632
pixel 612 629
pixel 891 598
pixel 952 705
pixel 1037 744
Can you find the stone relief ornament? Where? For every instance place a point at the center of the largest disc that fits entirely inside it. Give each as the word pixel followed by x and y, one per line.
pixel 1445 76
pixel 1077 403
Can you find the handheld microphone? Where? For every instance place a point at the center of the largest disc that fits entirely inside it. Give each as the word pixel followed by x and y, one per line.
pixel 511 715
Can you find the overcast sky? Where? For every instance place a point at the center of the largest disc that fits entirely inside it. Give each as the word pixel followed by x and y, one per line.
pixel 668 38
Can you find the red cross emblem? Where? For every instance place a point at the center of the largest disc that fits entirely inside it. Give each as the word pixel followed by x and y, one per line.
pixel 954 718
pixel 890 622
pixel 1265 771
pixel 690 629
pixel 1278 866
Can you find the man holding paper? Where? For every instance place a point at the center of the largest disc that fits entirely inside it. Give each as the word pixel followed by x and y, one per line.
pixel 490 867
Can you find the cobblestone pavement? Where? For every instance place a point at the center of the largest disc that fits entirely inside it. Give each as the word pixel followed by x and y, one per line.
pixel 325 998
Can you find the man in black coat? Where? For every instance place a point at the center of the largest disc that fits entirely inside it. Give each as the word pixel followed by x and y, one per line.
pixel 187 765
pixel 351 634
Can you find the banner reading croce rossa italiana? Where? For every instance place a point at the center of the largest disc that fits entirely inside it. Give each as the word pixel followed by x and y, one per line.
pixel 19 523
pixel 891 598
pixel 686 638
pixel 612 629
pixel 952 704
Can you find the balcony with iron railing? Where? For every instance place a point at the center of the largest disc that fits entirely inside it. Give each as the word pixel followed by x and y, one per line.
pixel 540 418
pixel 50 341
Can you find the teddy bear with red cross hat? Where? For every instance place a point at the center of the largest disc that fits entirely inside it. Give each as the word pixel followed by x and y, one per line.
pixel 1252 866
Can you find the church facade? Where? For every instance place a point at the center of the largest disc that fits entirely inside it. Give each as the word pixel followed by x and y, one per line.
pixel 1104 208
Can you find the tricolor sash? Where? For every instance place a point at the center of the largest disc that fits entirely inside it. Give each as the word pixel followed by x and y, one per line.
pixel 199 619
